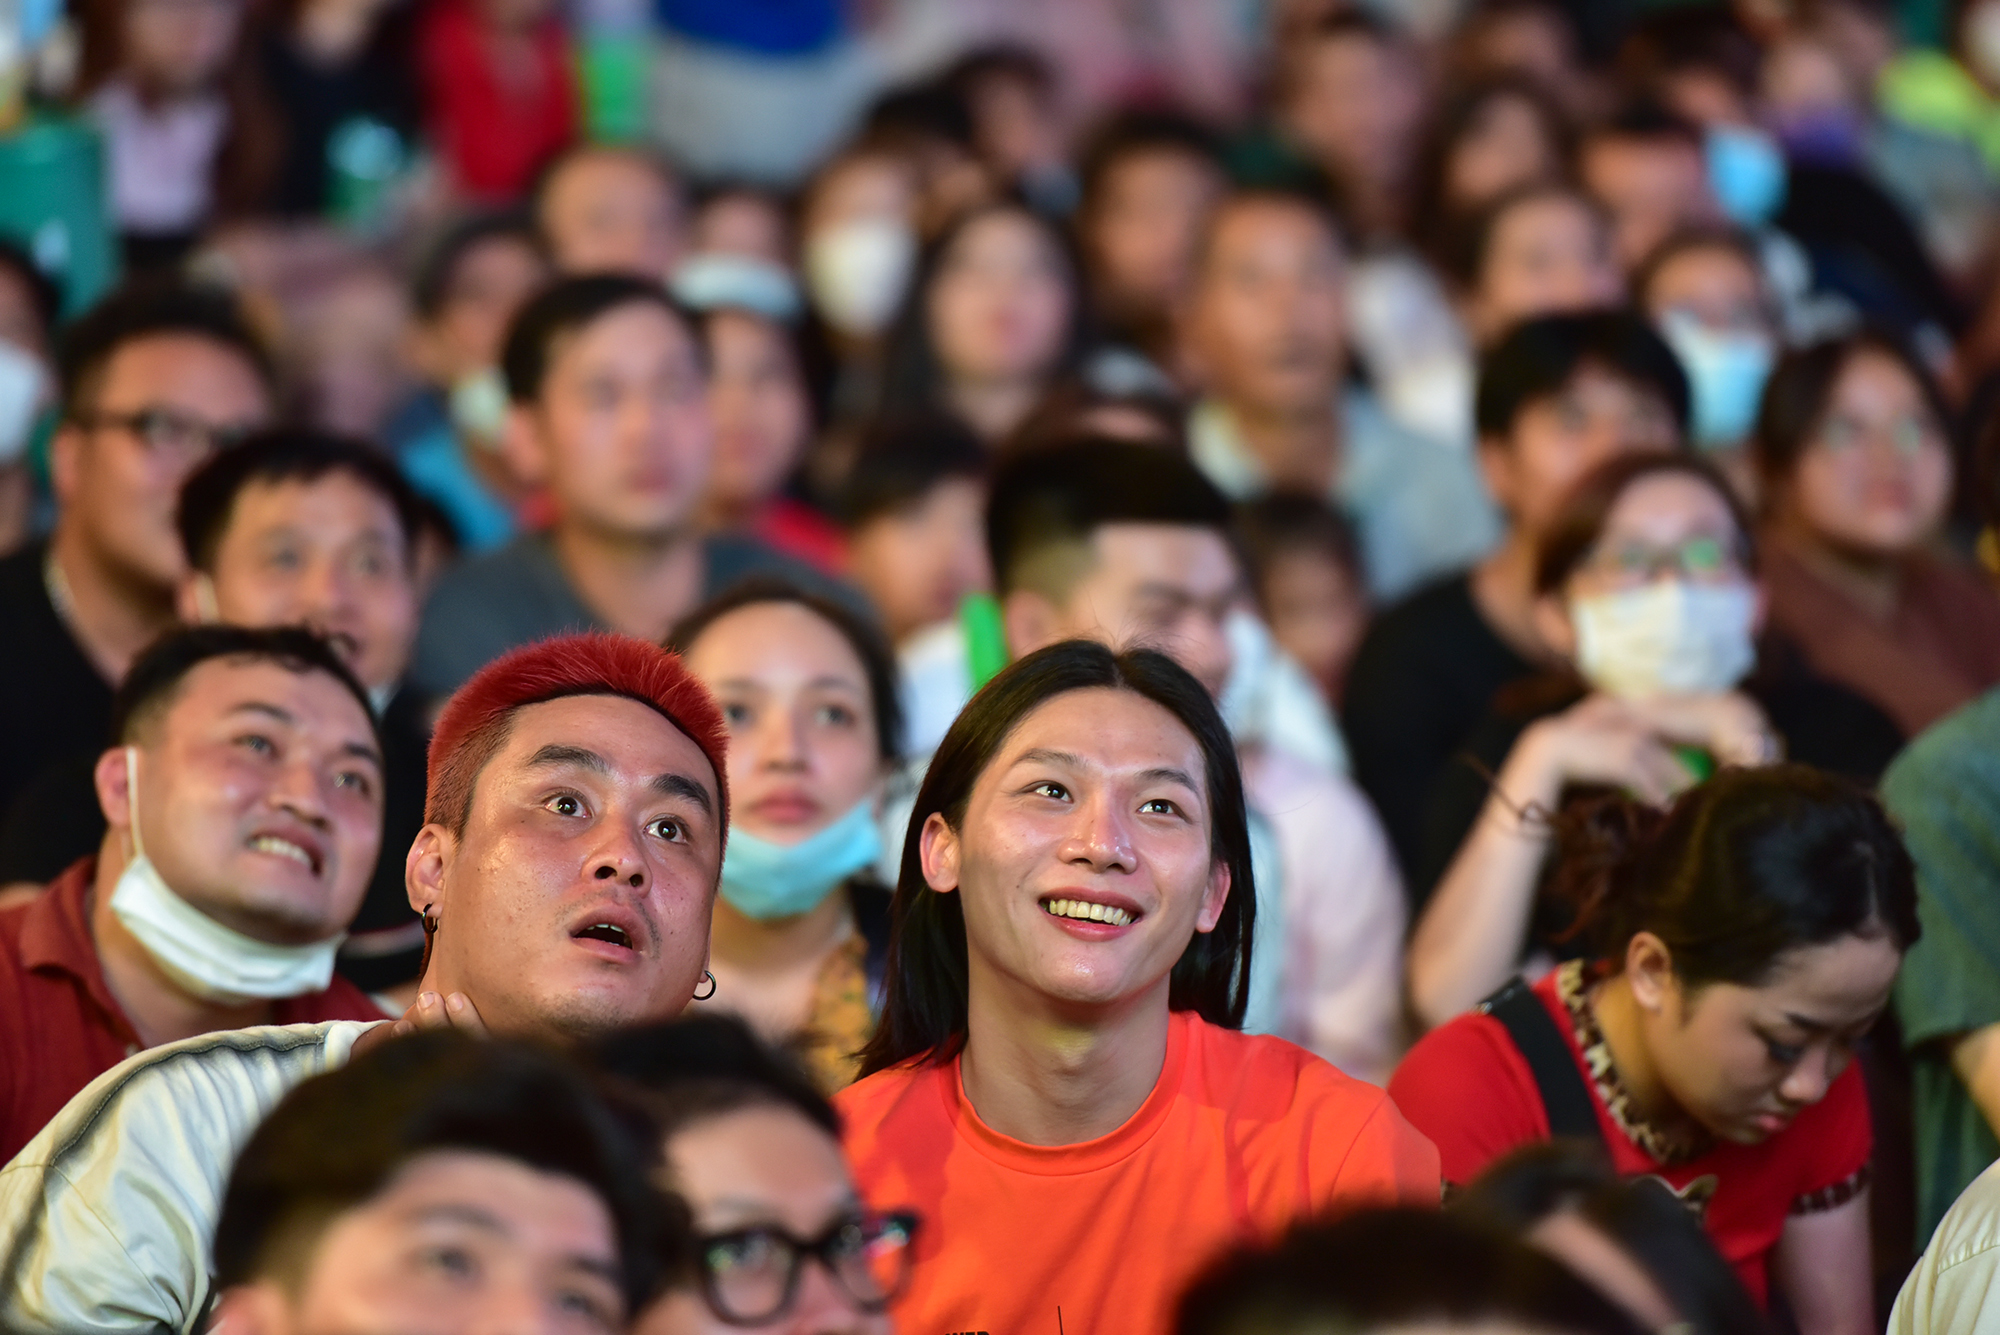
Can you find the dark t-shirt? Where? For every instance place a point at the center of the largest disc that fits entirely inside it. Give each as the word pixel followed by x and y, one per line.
pixel 53 703
pixel 57 820
pixel 1425 675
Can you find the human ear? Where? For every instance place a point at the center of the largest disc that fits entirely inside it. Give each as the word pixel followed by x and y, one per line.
pixel 938 850
pixel 1649 973
pixel 424 868
pixel 522 447
pixel 1031 621
pixel 114 788
pixel 194 600
pixel 1214 897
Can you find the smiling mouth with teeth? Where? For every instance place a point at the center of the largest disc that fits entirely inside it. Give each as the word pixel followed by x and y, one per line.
pixel 284 848
pixel 1085 911
pixel 608 932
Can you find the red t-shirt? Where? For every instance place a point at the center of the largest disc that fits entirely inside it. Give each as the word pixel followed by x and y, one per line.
pixel 1240 1136
pixel 60 1027
pixel 494 133
pixel 1467 1087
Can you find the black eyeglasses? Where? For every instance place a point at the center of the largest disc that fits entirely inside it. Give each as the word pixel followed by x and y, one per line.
pixel 750 1276
pixel 164 431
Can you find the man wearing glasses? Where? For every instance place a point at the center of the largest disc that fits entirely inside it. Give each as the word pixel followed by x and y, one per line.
pixel 154 380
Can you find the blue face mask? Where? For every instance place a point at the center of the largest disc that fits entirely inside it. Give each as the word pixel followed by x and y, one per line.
pixel 763 880
pixel 1726 371
pixel 1747 171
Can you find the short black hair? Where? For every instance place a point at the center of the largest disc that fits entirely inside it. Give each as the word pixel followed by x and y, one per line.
pixel 151 308
pixel 1644 119
pixel 1137 133
pixel 336 1141
pixel 933 109
pixel 901 460
pixel 43 294
pixel 1376 1269
pixel 1310 191
pixel 1538 356
pixel 1045 499
pixel 154 678
pixel 878 660
pixel 708 1065
pixel 286 454
pixel 1001 60
pixel 1282 522
pixel 566 306
pixel 437 271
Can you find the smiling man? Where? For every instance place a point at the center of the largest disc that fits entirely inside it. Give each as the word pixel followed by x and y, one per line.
pixel 566 874
pixel 244 809
pixel 1057 1085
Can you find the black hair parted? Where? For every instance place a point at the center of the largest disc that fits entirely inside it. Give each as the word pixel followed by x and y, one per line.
pixel 1737 872
pixel 1538 357
pixel 570 304
pixel 1047 498
pixel 287 454
pixel 870 645
pixel 1801 389
pixel 708 1065
pixel 156 674
pixel 901 460
pixel 924 1012
pixel 336 1141
pixel 151 308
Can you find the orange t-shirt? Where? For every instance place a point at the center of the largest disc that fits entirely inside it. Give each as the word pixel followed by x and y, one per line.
pixel 1240 1136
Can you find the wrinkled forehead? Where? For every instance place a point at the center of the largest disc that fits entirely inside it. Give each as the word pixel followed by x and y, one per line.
pixel 626 739
pixel 298 698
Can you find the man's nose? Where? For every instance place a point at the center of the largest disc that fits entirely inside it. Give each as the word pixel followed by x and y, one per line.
pixel 1098 836
pixel 618 857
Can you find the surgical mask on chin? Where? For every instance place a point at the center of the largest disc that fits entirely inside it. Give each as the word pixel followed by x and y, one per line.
pixel 1747 171
pixel 857 270
pixel 23 392
pixel 763 880
pixel 203 957
pixel 1668 638
pixel 1726 371
pixel 478 405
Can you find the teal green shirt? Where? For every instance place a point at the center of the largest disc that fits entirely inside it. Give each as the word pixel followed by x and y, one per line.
pixel 1945 792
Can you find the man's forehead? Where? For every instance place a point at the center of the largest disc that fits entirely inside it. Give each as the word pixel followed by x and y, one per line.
pixel 217 687
pixel 1174 553
pixel 281 502
pixel 624 732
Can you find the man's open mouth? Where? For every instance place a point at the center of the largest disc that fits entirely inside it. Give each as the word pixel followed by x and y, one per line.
pixel 278 846
pixel 1084 910
pixel 609 932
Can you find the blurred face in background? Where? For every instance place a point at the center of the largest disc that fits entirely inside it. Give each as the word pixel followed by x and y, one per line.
pixel 171 48
pixel 613 211
pixel 1505 144
pixel 488 284
pixel 1001 301
pixel 1267 325
pixel 917 563
pixel 1597 415
pixel 620 431
pixel 1318 610
pixel 757 400
pixel 858 241
pixel 1354 104
pixel 750 223
pixel 1545 254
pixel 1875 479
pixel 1651 187
pixel 1143 227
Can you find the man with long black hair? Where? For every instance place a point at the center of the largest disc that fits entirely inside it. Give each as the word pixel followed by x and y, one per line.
pixel 1057 1084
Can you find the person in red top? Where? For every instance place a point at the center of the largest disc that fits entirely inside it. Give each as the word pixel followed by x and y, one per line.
pixel 1057 1086
pixel 498 91
pixel 1745 939
pixel 244 802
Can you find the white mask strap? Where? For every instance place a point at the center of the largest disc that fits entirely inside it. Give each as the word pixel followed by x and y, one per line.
pixel 132 801
pixel 204 599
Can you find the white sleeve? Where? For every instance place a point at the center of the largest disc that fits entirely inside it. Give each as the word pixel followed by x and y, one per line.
pixel 107 1216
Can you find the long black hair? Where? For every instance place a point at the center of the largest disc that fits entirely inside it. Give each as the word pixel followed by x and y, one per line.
pixel 924 1012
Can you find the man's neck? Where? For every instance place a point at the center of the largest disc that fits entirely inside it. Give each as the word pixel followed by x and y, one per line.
pixel 160 1010
pixel 1297 448
pixel 1048 1075
pixel 1503 589
pixel 640 586
pixel 111 613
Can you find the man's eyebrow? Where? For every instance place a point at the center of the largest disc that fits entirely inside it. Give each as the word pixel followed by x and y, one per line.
pixel 471 1215
pixel 362 751
pixel 1169 774
pixel 680 785
pixel 558 754
pixel 1042 755
pixel 1810 1026
pixel 271 711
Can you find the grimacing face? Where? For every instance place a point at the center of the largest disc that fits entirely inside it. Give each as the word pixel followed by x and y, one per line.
pixel 577 898
pixel 1083 862
pixel 259 798
pixel 457 1240
pixel 328 553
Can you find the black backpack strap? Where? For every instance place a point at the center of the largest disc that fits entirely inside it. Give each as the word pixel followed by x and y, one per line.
pixel 1566 1099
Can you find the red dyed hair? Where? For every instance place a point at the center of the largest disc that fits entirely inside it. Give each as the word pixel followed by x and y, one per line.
pixel 474 724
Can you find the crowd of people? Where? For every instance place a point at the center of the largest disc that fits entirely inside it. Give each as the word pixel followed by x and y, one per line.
pixel 951 666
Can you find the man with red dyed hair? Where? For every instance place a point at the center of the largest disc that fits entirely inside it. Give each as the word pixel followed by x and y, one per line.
pixel 566 873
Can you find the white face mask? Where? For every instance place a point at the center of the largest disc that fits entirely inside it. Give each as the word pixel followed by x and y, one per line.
pixel 23 391
pixel 479 407
pixel 857 270
pixel 204 958
pixel 1668 638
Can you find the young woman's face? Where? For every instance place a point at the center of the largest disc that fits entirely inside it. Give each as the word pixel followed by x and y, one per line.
pixel 1083 861
pixel 1744 1061
pixel 762 1168
pixel 1001 301
pixel 1665 526
pixel 758 402
pixel 1876 476
pixel 803 749
pixel 1505 144
pixel 1547 254
pixel 1713 285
